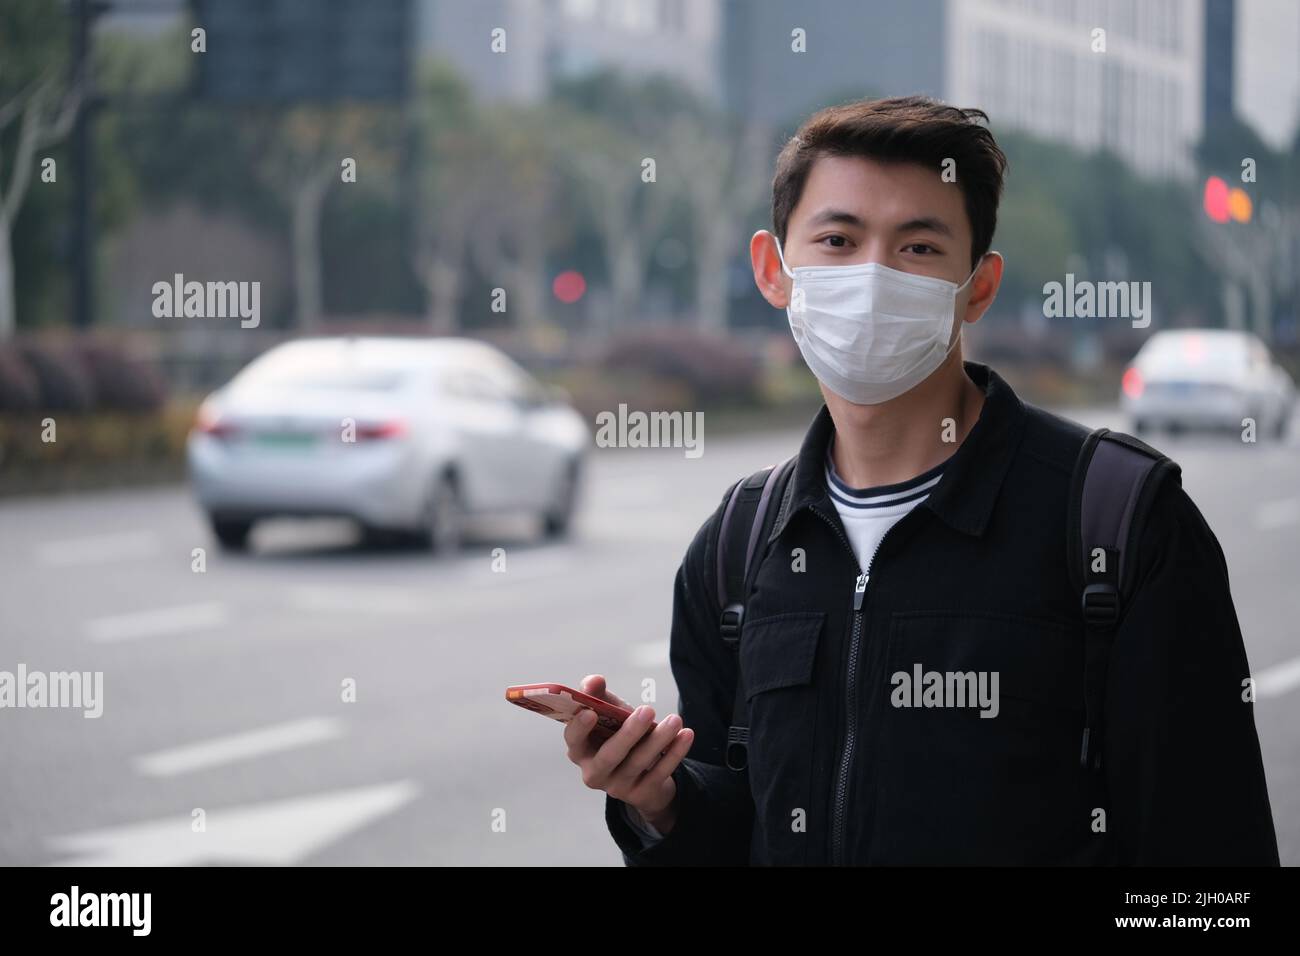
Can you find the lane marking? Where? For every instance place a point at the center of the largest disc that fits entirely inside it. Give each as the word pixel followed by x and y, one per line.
pixel 157 623
pixel 97 549
pixel 368 600
pixel 216 751
pixel 280 833
pixel 1278 680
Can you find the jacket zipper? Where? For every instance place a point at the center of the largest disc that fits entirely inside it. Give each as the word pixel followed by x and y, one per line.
pixel 850 690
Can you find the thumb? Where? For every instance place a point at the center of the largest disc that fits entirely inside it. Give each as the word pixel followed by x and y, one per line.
pixel 594 684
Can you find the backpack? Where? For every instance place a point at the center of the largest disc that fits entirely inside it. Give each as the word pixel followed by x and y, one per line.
pixel 1114 481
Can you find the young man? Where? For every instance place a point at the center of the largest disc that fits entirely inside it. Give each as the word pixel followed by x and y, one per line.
pixel 925 531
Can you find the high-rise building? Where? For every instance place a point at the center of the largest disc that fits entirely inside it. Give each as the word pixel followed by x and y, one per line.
pixel 1266 68
pixel 1096 74
pixel 1219 20
pixel 1140 78
pixel 1042 66
pixel 782 60
pixel 550 39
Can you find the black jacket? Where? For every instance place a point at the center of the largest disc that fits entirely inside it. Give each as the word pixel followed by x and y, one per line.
pixel 972 579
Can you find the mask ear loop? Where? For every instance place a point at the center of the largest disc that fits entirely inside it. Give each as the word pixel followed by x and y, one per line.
pixel 957 338
pixel 972 274
pixel 781 255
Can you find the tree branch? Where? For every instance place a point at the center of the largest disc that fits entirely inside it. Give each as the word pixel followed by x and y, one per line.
pixel 59 127
pixel 14 108
pixel 25 150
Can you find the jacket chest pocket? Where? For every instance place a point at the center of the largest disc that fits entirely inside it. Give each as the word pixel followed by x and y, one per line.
pixel 979 739
pixel 778 656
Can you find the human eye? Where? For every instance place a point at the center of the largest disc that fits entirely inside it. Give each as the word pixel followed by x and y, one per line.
pixel 920 249
pixel 836 240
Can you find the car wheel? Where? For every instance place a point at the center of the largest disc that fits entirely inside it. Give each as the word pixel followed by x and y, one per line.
pixel 444 516
pixel 558 521
pixel 380 539
pixel 232 534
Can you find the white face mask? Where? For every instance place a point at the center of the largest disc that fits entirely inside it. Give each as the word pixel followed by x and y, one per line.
pixel 868 332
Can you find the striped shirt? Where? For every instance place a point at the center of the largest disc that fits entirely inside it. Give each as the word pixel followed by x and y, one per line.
pixel 867 513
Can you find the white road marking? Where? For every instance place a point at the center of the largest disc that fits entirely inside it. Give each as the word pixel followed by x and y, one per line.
pixel 368 600
pixel 524 564
pixel 156 623
pixel 280 833
pixel 98 549
pixel 1277 514
pixel 1278 680
pixel 223 750
pixel 650 654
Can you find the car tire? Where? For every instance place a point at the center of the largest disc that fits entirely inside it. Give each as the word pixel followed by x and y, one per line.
pixel 231 533
pixel 374 538
pixel 557 522
pixel 443 528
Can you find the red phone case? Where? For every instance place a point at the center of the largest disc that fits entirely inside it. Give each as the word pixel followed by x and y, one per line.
pixel 564 703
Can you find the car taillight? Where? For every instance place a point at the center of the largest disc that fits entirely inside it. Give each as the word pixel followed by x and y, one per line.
pixel 210 424
pixel 381 430
pixel 1132 383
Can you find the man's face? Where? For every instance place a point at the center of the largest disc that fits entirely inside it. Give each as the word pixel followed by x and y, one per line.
pixel 901 215
pixel 855 210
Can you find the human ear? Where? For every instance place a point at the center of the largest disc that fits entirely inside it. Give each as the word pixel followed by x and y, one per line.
pixel 984 286
pixel 773 284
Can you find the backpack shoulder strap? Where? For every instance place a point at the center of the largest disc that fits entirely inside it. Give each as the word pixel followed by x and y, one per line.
pixel 745 521
pixel 1115 479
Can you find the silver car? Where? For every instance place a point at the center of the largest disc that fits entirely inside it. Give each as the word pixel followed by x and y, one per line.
pixel 405 435
pixel 1207 378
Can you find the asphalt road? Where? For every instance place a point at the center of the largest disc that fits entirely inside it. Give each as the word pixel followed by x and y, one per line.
pixel 223 690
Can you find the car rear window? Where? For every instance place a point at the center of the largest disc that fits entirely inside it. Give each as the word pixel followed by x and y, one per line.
pixel 315 372
pixel 1195 352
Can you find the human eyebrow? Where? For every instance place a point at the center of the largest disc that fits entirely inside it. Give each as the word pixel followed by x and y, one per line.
pixel 927 224
pixel 841 216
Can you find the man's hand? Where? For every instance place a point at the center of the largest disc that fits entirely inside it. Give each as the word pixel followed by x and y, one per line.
pixel 636 764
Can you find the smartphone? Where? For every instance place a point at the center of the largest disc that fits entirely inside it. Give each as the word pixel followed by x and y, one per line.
pixel 564 703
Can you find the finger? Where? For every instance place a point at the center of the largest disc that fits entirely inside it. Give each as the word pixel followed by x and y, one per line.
pixel 615 750
pixel 577 735
pixel 644 754
pixel 649 788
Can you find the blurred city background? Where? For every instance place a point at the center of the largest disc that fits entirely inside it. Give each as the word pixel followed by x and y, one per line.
pixel 434 169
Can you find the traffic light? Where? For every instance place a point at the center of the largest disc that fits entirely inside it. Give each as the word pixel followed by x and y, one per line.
pixel 1223 202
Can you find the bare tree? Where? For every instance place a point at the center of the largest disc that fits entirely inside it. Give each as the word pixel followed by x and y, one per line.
pixel 723 177
pixel 453 185
pixel 45 115
pixel 513 230
pixel 300 155
pixel 627 213
pixel 452 193
pixel 1259 257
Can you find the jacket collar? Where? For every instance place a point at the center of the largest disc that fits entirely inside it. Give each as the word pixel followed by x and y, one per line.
pixel 971 480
